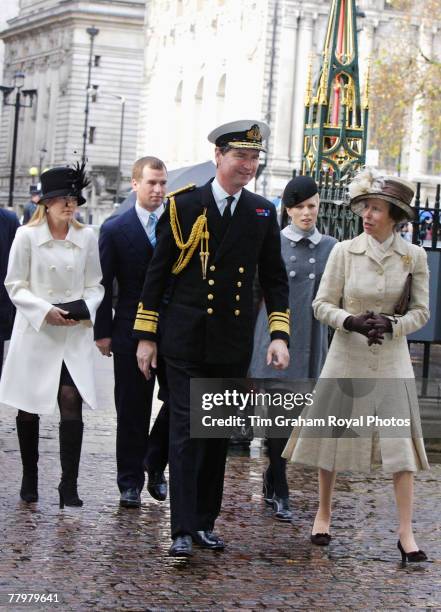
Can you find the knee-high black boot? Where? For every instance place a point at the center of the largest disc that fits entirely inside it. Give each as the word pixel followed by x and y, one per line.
pixel 71 438
pixel 27 432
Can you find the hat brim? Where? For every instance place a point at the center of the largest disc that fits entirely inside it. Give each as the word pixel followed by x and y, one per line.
pixel 60 193
pixel 357 203
pixel 237 144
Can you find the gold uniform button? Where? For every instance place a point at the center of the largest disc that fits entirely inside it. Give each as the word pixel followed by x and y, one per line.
pixel 212 268
pixel 239 284
pixel 241 270
pixel 210 311
pixel 211 281
pixel 237 313
pixel 237 298
pixel 210 296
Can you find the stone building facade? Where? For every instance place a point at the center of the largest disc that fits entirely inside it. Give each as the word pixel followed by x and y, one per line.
pixel 49 43
pixel 210 61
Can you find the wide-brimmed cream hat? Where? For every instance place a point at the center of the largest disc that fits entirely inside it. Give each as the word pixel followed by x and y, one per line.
pixel 369 184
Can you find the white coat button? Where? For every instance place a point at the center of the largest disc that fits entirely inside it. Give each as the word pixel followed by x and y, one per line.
pixel 50 292
pixel 293 244
pixel 312 246
pixel 52 268
pixel 67 292
pixel 292 273
pixel 293 258
pixel 311 260
pixel 312 276
pixel 67 245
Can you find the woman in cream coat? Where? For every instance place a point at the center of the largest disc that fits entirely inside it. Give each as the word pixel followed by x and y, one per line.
pixel 362 282
pixel 53 260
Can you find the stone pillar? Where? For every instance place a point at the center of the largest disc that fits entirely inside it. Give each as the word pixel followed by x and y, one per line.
pixel 418 131
pixel 286 90
pixel 304 48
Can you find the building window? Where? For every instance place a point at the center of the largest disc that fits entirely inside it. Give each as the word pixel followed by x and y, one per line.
pixel 92 134
pixel 94 93
pixel 97 60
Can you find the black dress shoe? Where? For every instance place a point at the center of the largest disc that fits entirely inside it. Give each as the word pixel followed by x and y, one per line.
pixel 130 498
pixel 208 539
pixel 321 539
pixel 182 547
pixel 267 489
pixel 282 511
pixel 157 485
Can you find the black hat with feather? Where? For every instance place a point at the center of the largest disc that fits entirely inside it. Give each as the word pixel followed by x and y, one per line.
pixel 64 181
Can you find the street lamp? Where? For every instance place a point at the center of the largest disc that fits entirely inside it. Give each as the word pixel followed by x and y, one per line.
pixel 121 132
pixel 18 79
pixel 93 31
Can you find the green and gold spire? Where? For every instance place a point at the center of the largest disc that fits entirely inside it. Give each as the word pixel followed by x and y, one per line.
pixel 336 117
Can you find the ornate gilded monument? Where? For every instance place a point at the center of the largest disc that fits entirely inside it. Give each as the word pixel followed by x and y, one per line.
pixel 336 115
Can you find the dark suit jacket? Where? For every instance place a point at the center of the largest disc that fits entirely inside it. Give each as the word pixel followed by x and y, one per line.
pixel 125 252
pixel 212 320
pixel 8 226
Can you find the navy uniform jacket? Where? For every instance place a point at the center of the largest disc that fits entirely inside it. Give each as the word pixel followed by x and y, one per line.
pixel 211 320
pixel 125 253
pixel 8 226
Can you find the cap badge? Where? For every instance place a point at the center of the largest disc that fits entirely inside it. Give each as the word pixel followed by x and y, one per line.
pixel 254 134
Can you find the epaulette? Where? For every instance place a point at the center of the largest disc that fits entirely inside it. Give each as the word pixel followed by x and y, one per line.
pixel 188 187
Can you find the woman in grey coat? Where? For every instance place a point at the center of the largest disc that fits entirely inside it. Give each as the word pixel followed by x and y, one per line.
pixel 305 252
pixel 363 284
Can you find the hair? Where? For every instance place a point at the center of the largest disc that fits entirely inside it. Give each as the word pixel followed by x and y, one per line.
pixel 151 162
pixel 397 214
pixel 224 149
pixel 40 215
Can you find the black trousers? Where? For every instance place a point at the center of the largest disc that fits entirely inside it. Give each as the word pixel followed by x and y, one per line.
pixel 197 466
pixel 2 347
pixel 135 449
pixel 276 471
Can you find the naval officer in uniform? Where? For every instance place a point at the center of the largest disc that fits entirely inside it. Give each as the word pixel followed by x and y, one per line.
pixel 211 240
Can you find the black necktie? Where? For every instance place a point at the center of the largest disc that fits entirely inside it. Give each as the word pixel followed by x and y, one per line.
pixel 227 210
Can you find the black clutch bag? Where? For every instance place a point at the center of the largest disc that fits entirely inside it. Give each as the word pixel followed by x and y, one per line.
pixel 77 310
pixel 402 306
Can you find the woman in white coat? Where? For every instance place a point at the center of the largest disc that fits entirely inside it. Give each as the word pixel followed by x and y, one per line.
pixel 358 296
pixel 53 279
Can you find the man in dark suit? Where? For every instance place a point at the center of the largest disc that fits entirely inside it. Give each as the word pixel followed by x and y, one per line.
pixel 126 248
pixel 31 206
pixel 210 240
pixel 8 226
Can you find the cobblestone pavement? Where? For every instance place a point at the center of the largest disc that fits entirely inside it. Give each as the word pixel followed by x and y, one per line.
pixel 101 557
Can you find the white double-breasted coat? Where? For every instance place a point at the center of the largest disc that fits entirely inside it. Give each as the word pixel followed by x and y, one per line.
pixel 41 272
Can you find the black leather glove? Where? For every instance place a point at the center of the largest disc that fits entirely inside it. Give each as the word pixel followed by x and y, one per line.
pixel 358 323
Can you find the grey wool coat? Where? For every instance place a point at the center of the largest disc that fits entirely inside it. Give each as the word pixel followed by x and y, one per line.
pixel 381 377
pixel 305 261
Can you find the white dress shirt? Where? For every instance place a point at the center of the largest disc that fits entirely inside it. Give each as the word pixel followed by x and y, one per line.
pixel 220 196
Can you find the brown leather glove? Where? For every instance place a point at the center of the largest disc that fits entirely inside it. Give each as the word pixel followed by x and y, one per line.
pixel 359 324
pixel 379 326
